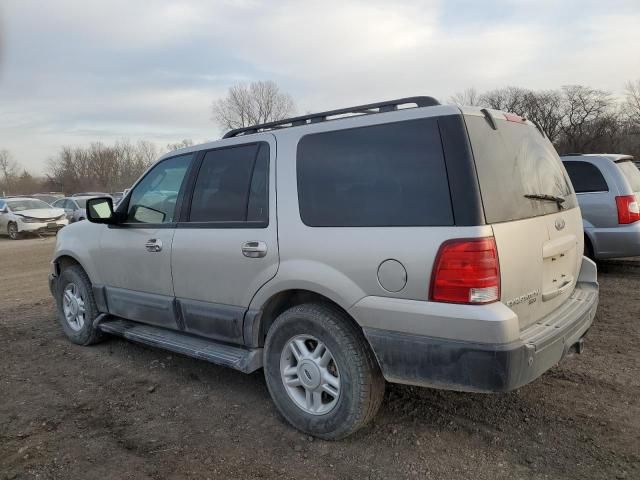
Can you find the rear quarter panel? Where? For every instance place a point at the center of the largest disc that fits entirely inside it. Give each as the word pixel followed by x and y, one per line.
pixel 342 263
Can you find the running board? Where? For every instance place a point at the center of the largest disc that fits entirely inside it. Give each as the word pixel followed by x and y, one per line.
pixel 242 359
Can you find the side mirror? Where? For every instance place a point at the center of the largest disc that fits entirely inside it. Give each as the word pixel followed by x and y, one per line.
pixel 100 210
pixel 4 209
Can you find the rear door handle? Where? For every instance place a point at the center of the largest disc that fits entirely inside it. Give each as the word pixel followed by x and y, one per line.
pixel 153 245
pixel 254 249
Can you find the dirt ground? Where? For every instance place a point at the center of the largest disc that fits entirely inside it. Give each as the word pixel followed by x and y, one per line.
pixel 119 410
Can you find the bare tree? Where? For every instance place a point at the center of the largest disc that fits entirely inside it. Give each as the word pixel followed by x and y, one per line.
pixel 187 142
pixel 252 104
pixel 9 170
pixel 507 99
pixel 545 109
pixel 468 96
pixel 631 105
pixel 587 116
pixel 100 167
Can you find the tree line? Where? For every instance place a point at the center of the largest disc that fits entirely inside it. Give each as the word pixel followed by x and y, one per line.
pixel 576 118
pixel 98 168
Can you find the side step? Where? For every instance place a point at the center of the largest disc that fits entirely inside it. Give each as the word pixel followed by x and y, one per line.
pixel 242 359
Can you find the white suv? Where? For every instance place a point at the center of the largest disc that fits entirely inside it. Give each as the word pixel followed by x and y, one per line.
pixel 432 245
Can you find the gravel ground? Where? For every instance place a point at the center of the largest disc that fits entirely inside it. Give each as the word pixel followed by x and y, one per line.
pixel 119 410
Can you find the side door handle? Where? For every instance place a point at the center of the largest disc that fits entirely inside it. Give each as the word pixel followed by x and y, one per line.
pixel 254 249
pixel 153 245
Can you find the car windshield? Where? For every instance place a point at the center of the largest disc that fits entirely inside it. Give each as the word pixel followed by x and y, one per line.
pixel 26 204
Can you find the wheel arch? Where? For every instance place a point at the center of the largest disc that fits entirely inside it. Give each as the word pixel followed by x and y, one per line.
pixel 64 260
pixel 258 322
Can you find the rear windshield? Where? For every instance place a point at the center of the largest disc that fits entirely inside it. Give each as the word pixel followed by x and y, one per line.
pixel 631 173
pixel 515 161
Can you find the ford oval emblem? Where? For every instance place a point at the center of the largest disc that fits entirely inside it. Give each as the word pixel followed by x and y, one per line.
pixel 559 223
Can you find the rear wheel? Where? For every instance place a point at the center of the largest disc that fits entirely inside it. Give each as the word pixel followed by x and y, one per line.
pixel 321 372
pixel 12 231
pixel 76 306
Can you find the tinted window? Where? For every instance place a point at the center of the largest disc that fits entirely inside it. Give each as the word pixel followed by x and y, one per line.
pixel 154 199
pixel 232 185
pixel 383 175
pixel 513 161
pixel 585 177
pixel 58 203
pixel 631 173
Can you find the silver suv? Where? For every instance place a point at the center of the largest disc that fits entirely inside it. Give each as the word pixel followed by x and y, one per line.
pixel 432 246
pixel 607 188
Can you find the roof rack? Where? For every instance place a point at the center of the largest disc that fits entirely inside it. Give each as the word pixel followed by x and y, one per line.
pixel 379 107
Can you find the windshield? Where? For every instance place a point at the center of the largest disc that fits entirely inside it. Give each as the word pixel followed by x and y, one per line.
pixel 26 204
pixel 631 173
pixel 520 173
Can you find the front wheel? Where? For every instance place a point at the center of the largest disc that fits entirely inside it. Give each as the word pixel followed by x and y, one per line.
pixel 76 306
pixel 321 372
pixel 12 231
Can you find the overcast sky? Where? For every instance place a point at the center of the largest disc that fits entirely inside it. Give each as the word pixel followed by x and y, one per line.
pixel 77 71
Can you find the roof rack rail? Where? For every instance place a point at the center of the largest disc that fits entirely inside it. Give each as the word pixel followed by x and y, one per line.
pixel 572 154
pixel 379 107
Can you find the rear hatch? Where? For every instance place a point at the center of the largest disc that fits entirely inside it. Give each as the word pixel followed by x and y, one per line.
pixel 530 204
pixel 631 173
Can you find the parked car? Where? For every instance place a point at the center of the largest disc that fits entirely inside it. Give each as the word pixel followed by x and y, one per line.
pixel 20 215
pixel 47 197
pixel 90 194
pixel 117 196
pixel 432 246
pixel 607 187
pixel 74 207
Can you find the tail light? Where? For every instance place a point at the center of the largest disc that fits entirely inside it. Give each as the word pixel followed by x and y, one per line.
pixel 628 210
pixel 466 271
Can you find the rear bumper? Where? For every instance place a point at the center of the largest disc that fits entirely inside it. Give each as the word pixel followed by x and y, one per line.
pixel 615 242
pixel 485 367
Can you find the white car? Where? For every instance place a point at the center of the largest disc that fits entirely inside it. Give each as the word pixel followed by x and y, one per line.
pixel 29 215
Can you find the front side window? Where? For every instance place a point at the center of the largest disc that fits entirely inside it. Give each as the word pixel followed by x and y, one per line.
pixel 232 185
pixel 586 178
pixel 382 175
pixel 154 199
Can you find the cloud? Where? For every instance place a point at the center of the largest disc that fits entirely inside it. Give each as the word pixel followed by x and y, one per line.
pixel 78 71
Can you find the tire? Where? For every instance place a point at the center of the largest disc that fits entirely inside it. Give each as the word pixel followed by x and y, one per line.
pixel 12 231
pixel 77 282
pixel 588 249
pixel 361 385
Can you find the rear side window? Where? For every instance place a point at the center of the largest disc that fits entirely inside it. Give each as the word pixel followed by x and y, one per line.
pixel 631 173
pixel 232 185
pixel 383 175
pixel 585 177
pixel 514 161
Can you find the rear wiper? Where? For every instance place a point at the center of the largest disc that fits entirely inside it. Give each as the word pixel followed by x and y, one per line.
pixel 545 196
